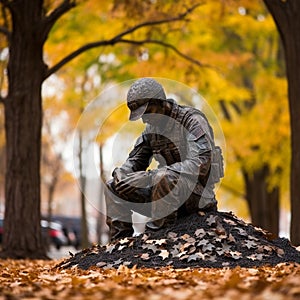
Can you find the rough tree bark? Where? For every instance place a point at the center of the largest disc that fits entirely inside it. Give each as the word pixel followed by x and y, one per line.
pixel 23 121
pixel 286 14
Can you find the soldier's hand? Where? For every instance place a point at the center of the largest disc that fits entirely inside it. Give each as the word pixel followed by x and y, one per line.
pixel 133 181
pixel 118 175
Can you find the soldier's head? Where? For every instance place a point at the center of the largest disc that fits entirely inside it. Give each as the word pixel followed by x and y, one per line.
pixel 140 93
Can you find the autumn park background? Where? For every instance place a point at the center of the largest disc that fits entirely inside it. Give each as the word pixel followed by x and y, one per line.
pixel 57 57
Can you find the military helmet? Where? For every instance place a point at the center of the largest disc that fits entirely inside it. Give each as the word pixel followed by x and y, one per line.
pixel 139 95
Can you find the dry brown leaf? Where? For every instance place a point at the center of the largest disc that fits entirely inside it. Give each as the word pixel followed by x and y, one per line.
pixel 185 236
pixel 164 254
pixel 211 220
pixel 200 233
pixel 145 256
pixel 250 244
pixel 161 242
pixel 110 248
pixel 126 240
pixel 230 222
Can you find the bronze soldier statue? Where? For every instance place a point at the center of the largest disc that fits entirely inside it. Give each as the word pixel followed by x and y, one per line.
pixel 181 140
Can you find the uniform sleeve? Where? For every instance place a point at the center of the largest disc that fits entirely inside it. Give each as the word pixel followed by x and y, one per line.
pixel 140 156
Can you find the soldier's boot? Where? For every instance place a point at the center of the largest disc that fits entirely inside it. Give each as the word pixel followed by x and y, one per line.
pixel 155 224
pixel 163 222
pixel 119 229
pixel 117 211
pixel 210 207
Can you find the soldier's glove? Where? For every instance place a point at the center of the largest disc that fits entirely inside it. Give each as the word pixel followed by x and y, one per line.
pixel 133 181
pixel 118 174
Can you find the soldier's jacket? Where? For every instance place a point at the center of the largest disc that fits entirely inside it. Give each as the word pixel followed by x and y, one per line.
pixel 185 145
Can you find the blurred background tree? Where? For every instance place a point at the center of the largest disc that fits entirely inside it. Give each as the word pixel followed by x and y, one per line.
pixel 286 16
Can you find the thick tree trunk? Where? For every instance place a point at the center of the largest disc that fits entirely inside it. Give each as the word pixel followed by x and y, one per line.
pixel 23 121
pixel 287 18
pixel 263 203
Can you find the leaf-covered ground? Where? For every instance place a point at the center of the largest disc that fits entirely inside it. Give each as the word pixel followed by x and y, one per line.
pixel 206 256
pixel 24 279
pixel 215 239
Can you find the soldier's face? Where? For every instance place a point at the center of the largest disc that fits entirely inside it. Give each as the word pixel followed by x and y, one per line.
pixel 153 114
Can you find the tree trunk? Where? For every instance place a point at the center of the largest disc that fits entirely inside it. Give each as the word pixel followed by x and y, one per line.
pixel 51 188
pixel 84 226
pixel 102 228
pixel 263 203
pixel 287 18
pixel 23 121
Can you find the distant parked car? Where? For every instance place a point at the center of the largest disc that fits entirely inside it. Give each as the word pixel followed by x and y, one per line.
pixel 71 227
pixel 55 232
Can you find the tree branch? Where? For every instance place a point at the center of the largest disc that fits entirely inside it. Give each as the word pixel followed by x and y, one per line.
pixel 76 53
pixel 157 22
pixel 166 45
pixel 5 31
pixel 6 3
pixel 112 42
pixel 59 11
pixel 118 39
pixel 50 20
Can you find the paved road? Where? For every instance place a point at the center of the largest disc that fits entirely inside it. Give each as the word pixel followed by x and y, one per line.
pixel 61 253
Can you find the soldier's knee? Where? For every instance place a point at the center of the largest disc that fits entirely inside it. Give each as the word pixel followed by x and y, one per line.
pixel 165 176
pixel 158 176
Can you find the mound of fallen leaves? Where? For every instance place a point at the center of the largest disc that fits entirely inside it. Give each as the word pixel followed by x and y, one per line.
pixel 211 240
pixel 24 279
